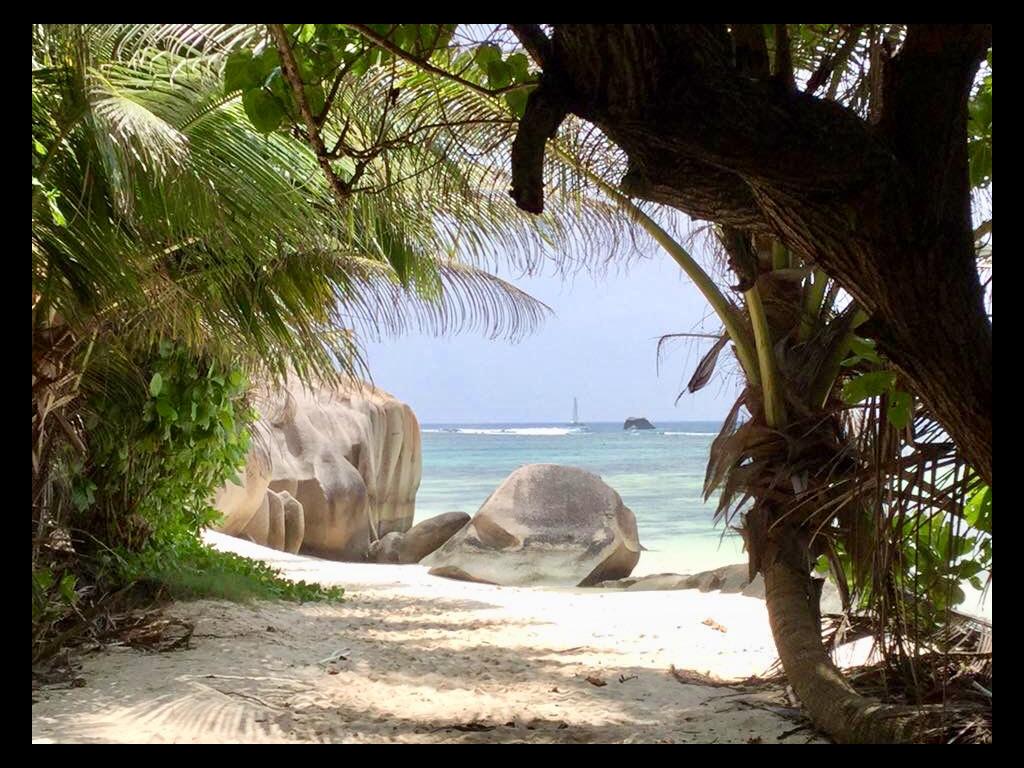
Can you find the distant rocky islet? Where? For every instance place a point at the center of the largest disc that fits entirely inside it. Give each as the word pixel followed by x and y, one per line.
pixel 637 422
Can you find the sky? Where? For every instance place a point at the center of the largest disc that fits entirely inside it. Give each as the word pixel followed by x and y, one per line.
pixel 599 345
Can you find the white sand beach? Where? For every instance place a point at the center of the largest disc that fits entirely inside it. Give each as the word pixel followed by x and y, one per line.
pixel 410 657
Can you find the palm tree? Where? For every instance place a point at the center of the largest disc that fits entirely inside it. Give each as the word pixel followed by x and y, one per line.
pixel 159 213
pixel 813 475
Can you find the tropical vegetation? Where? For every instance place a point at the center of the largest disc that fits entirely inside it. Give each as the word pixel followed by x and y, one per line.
pixel 219 203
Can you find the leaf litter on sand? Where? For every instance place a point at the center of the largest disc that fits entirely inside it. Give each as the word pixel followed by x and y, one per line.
pixel 714 625
pixel 765 693
pixel 960 682
pixel 145 630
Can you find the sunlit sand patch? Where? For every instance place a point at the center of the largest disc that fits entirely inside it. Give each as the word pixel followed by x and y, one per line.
pixel 414 658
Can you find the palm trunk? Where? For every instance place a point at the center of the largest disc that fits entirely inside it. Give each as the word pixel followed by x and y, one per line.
pixel 832 704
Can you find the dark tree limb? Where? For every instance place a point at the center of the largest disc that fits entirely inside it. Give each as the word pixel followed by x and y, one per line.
pixel 884 210
pixel 709 192
pixel 545 111
pixel 833 62
pixel 783 59
pixel 535 42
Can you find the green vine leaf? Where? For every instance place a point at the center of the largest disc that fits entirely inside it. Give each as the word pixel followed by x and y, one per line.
pixel 263 109
pixel 241 72
pixel 871 384
pixel 900 409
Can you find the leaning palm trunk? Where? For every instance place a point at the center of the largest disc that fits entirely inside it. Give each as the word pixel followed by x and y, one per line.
pixel 833 705
pixel 794 439
pixel 785 529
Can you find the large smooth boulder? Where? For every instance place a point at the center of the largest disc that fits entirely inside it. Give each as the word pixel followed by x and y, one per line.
pixel 427 536
pixel 545 524
pixel 350 459
pixel 239 504
pixel 637 422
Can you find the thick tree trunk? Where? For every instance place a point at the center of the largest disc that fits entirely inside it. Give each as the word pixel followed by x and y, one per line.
pixel 832 704
pixel 884 209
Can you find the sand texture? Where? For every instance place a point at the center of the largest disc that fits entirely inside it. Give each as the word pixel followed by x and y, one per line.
pixel 411 657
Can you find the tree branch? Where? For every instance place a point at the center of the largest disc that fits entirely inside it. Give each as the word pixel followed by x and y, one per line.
pixel 291 73
pixel 545 111
pixel 832 63
pixel 329 101
pixel 784 58
pixel 535 42
pixel 703 191
pixel 426 66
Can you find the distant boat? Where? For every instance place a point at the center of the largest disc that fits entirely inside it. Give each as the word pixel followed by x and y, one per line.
pixel 576 417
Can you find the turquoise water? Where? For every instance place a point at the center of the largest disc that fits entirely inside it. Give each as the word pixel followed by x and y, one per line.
pixel 658 473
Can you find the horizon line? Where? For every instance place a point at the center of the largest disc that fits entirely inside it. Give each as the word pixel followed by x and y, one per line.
pixel 566 423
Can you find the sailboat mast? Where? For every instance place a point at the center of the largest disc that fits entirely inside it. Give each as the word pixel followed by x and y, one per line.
pixel 575 412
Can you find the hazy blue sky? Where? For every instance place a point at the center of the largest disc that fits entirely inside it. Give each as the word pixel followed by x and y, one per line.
pixel 600 346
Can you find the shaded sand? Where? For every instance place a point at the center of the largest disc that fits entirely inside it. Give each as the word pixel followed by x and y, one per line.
pixel 425 659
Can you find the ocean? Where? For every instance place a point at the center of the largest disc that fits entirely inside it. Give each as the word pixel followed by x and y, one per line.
pixel 658 473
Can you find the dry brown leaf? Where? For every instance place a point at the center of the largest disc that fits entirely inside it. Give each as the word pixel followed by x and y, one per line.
pixel 714 625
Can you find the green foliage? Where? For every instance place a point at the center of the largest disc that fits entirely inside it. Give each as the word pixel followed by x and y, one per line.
pixel 871 384
pixel 51 195
pixel 53 596
pixel 502 72
pixel 863 352
pixel 320 51
pixel 264 109
pixel 929 575
pixel 978 510
pixel 485 55
pixel 179 212
pixel 899 408
pixel 936 555
pixel 187 568
pixel 516 101
pixel 256 76
pixel 519 65
pixel 979 130
pixel 159 452
pixel 899 404
pixel 242 72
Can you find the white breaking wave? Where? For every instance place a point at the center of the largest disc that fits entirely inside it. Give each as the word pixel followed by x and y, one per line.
pixel 535 431
pixel 690 433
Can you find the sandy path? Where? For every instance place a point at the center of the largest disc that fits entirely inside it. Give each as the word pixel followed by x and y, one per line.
pixel 432 660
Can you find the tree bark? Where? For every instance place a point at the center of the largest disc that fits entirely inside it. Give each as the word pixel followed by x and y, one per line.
pixel 884 209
